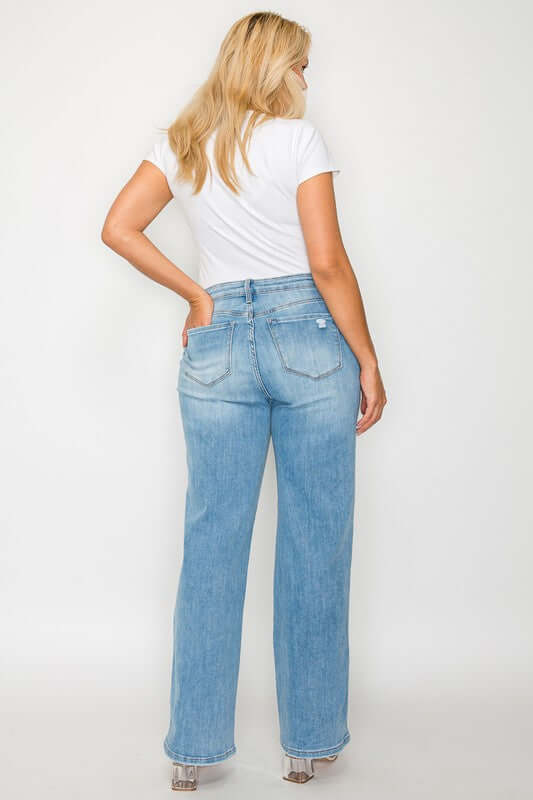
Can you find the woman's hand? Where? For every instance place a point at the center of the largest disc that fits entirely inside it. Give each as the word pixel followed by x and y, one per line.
pixel 373 397
pixel 200 313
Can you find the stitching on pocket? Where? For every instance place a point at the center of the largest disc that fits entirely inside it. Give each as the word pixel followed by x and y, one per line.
pixel 213 326
pixel 311 315
pixel 227 354
pixel 301 302
pixel 272 322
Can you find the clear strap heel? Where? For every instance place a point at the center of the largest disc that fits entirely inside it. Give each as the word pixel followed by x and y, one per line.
pixel 297 770
pixel 184 776
pixel 300 770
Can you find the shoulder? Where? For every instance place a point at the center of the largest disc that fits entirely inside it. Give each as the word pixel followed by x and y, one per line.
pixel 311 153
pixel 308 133
pixel 303 134
pixel 296 127
pixel 292 127
pixel 302 142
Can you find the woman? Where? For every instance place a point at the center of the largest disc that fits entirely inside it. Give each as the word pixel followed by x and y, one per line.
pixel 275 343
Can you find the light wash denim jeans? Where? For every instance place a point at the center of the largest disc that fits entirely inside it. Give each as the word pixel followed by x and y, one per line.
pixel 272 361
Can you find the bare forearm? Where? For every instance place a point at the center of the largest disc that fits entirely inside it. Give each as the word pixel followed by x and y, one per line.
pixel 340 290
pixel 142 254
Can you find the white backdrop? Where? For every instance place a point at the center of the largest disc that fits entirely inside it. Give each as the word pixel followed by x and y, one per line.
pixel 427 108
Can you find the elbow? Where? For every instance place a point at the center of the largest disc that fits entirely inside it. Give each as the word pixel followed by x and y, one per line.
pixel 330 265
pixel 108 235
pixel 104 236
pixel 324 266
pixel 326 270
pixel 114 236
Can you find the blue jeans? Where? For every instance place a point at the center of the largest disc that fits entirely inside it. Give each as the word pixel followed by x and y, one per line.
pixel 272 361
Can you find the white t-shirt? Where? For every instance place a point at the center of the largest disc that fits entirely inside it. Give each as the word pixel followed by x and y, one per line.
pixel 257 233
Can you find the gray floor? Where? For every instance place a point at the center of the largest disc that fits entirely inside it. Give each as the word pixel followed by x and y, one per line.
pixel 85 744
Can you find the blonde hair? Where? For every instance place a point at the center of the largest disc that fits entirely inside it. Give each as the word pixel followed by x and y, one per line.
pixel 253 71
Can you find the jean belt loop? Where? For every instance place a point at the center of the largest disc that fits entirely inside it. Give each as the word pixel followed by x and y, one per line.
pixel 248 290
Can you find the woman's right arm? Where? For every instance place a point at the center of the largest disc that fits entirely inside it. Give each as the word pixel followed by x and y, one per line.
pixel 336 282
pixel 136 205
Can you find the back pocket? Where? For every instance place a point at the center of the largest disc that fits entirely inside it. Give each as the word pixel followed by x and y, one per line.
pixel 207 356
pixel 307 345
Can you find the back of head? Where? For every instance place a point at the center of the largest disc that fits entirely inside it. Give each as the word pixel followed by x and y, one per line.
pixel 252 72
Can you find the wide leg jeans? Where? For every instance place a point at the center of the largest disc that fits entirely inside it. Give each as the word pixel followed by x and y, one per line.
pixel 272 362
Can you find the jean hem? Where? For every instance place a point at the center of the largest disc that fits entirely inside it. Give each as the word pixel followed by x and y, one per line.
pixel 198 760
pixel 326 751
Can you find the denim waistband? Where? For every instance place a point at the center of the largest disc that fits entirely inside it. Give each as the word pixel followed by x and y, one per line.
pixel 259 285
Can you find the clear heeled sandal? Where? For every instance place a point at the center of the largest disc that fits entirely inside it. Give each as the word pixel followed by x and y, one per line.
pixel 296 770
pixel 300 770
pixel 184 776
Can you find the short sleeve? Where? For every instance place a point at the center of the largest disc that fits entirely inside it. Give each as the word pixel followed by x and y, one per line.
pixel 313 155
pixel 162 157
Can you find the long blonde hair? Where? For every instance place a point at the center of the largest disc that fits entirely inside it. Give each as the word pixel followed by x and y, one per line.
pixel 253 71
